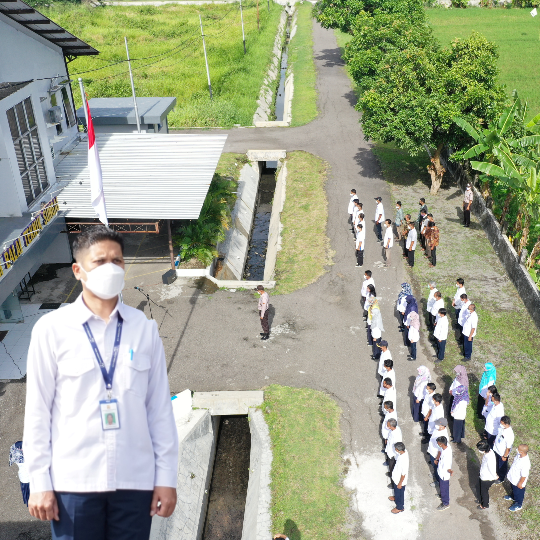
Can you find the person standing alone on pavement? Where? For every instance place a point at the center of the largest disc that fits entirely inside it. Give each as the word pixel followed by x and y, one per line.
pixel 379 218
pixel 467 202
pixel 360 241
pixel 388 241
pixel 351 205
pixel 263 312
pixel 100 439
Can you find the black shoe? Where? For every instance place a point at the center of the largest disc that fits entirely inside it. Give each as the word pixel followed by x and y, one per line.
pixel 262 334
pixel 265 337
pixel 425 441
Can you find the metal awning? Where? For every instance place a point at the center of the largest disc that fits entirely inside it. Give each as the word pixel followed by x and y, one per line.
pixel 40 24
pixel 145 176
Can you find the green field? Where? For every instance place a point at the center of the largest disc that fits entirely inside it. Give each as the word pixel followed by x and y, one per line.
pixel 517 35
pixel 166 47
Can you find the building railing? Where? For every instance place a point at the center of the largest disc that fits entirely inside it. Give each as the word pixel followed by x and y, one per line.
pixel 19 245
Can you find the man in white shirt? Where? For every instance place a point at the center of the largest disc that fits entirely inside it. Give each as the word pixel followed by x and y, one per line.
pixel 437 412
pixel 427 405
pixel 493 419
pixel 503 447
pixel 350 207
pixel 389 392
pixel 441 334
pixel 438 304
pixel 360 241
pixel 456 302
pixel 469 331
pixel 431 298
pixel 368 280
pixel 387 371
pixel 441 430
pixel 410 244
pixel 87 361
pixel 463 312
pixel 517 476
pixel 379 218
pixel 488 474
pixel 394 436
pixel 400 474
pixel 385 355
pixel 388 241
pixel 444 471
pixel 389 412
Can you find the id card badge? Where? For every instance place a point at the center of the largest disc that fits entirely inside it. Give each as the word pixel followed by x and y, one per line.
pixel 110 418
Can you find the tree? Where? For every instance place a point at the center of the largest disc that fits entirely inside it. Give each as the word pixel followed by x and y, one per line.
pixel 416 92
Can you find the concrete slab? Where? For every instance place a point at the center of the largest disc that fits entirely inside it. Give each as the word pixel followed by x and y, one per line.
pixel 235 247
pixel 266 155
pixel 223 403
pixel 248 184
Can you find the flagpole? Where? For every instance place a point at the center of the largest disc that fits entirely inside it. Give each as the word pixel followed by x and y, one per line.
pixel 133 88
pixel 83 102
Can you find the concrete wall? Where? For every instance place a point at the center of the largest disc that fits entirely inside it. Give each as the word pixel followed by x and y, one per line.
pixel 517 273
pixel 197 445
pixel 274 232
pixel 257 516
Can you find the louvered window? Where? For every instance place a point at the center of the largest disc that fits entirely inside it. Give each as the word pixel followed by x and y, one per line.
pixel 22 125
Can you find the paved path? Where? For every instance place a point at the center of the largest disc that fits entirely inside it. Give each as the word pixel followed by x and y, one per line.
pixel 318 340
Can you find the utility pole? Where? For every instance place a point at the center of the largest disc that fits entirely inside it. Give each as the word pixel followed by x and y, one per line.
pixel 206 58
pixel 258 22
pixel 242 19
pixel 133 88
pixel 170 244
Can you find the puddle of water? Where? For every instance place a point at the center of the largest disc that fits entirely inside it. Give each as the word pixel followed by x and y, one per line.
pixel 227 499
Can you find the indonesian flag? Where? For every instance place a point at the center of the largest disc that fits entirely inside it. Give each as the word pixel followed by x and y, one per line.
pixel 96 179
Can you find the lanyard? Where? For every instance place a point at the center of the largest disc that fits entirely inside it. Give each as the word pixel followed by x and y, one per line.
pixel 107 376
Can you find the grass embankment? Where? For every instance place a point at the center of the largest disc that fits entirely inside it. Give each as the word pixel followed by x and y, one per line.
pixel 305 248
pixel 304 103
pixel 513 30
pixel 308 501
pixel 506 336
pixel 168 60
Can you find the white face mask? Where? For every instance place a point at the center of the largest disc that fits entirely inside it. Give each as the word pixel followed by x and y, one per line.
pixel 105 281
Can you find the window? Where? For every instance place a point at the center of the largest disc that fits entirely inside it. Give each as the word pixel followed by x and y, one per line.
pixel 22 125
pixel 68 109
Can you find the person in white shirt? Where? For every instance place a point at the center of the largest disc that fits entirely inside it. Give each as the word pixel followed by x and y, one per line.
pixel 438 304
pixel 456 302
pixel 444 471
pixel 389 412
pixel 489 377
pixel 359 244
pixel 431 298
pixel 469 331
pixel 427 405
pixel 95 358
pixel 459 412
pixel 399 476
pixel 488 473
pixel 394 436
pixel 441 430
pixel 410 244
pixel 493 419
pixel 387 371
pixel 517 476
pixel 388 241
pixel 350 207
pixel 437 412
pixel 419 387
pixel 503 447
pixel 379 218
pixel 385 355
pixel 368 280
pixel 463 314
pixel 441 334
pixel 359 218
pixel 389 393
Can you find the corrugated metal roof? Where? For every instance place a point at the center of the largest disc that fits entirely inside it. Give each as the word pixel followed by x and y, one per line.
pixel 37 22
pixel 8 88
pixel 145 176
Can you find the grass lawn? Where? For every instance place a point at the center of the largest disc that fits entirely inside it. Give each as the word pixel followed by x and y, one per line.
pixel 515 32
pixel 308 501
pixel 304 104
pixel 171 36
pixel 506 336
pixel 305 248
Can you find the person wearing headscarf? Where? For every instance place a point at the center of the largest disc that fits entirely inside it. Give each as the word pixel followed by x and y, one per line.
pixel 375 326
pixel 461 379
pixel 459 411
pixel 423 377
pixel 413 324
pixel 402 304
pixel 489 377
pixel 16 456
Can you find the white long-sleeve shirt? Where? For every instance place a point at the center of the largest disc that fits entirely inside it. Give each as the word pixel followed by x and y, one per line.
pixel 433 447
pixel 365 284
pixel 437 411
pixel 445 463
pixel 388 237
pixel 65 447
pixel 389 395
pixel 470 322
pixel 411 237
pixel 384 426
pixel 401 468
pixel 385 355
pixel 493 419
pixel 428 401
pixel 351 205
pixel 390 374
pixel 441 329
pixel 420 390
pixel 438 304
pixel 458 304
pixel 464 312
pixel 394 436
pixel 431 299
pixel 379 211
pixel 488 468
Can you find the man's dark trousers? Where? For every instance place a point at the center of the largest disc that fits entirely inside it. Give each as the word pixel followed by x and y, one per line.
pixel 518 494
pixel 466 216
pixel 410 257
pixel 441 346
pixel 434 256
pixel 378 226
pixel 467 347
pixel 444 486
pixel 399 496
pixel 360 257
pixel 502 467
pixel 264 322
pixel 109 515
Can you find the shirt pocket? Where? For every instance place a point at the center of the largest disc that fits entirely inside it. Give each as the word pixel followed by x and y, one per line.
pixel 137 373
pixel 78 377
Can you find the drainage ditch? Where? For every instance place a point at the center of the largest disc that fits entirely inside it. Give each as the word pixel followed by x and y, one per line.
pixel 279 107
pixel 228 489
pixel 258 242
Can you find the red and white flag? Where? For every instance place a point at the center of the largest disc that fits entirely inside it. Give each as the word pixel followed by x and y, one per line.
pixel 96 179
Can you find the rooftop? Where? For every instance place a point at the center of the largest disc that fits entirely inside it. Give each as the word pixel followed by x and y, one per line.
pixel 8 88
